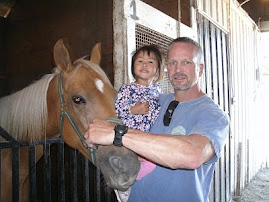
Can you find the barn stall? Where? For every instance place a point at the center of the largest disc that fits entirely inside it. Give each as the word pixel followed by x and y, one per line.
pixel 28 35
pixel 31 29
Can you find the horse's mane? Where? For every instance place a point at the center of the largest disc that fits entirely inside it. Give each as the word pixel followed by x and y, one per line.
pixel 24 113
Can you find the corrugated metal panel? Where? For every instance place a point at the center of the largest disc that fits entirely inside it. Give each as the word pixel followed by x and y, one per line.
pixel 214 43
pixel 216 10
pixel 243 46
pixel 245 159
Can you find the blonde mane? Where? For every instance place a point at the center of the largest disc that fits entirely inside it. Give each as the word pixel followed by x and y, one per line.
pixel 24 113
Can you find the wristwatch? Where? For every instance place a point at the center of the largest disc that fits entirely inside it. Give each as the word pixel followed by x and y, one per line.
pixel 120 130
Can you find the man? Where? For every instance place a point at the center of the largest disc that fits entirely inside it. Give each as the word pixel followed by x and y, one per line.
pixel 185 141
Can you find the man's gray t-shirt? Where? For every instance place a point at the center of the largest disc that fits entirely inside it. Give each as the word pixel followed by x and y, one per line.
pixel 199 116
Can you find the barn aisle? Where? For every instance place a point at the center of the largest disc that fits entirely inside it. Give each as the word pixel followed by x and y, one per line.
pixel 257 190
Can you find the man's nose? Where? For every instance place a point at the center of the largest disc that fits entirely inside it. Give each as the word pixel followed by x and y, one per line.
pixel 179 67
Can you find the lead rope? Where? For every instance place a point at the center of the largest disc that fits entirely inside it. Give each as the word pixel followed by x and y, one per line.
pixel 64 112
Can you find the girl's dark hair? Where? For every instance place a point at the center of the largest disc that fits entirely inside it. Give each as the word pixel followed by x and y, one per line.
pixel 150 49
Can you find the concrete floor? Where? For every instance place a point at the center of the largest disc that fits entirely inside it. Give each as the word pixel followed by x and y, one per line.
pixel 257 190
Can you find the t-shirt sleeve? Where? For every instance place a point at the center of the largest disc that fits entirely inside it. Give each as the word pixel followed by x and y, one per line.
pixel 213 124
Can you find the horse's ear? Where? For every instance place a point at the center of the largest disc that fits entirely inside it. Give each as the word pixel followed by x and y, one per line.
pixel 96 54
pixel 62 57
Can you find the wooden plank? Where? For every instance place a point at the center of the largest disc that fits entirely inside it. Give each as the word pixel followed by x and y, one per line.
pixel 213 10
pixel 227 148
pixel 225 13
pixel 202 44
pixel 220 11
pixel 221 103
pixel 217 182
pixel 207 58
pixel 233 127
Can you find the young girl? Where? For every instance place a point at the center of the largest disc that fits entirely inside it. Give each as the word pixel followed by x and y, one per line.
pixel 137 104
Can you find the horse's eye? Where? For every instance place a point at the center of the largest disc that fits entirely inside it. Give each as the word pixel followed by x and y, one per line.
pixel 78 100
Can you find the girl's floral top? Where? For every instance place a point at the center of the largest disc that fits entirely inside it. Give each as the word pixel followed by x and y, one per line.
pixel 129 95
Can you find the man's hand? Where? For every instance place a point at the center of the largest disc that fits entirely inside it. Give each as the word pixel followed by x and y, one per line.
pixel 140 108
pixel 100 132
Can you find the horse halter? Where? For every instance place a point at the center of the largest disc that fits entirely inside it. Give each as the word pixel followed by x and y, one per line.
pixel 64 112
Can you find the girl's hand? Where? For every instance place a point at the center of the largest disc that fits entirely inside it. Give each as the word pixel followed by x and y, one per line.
pixel 140 108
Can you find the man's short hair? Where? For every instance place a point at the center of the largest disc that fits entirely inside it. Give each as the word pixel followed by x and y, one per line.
pixel 190 41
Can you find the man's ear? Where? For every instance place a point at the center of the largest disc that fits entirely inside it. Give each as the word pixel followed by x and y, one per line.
pixel 201 69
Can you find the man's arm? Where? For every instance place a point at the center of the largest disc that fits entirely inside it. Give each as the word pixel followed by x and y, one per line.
pixel 173 151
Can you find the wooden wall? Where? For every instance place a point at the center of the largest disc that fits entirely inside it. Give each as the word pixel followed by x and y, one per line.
pixel 171 8
pixel 33 27
pixel 3 85
pixel 28 34
pixel 257 9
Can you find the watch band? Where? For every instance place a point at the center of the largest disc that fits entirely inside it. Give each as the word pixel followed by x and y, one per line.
pixel 117 140
pixel 120 130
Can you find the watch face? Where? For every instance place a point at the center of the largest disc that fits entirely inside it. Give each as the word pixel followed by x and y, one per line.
pixel 121 129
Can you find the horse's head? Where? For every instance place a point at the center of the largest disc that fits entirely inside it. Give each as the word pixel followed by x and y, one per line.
pixel 86 93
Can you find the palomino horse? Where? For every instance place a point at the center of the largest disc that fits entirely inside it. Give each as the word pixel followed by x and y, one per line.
pixel 65 101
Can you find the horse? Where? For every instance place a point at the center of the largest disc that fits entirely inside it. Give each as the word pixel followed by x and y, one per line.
pixel 64 103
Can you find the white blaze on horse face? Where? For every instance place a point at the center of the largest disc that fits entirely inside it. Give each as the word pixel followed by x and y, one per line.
pixel 100 85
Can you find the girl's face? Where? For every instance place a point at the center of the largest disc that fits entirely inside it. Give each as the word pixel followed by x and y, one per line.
pixel 145 68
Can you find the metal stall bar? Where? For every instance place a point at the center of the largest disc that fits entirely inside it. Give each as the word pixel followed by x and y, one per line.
pixel 61 175
pixel 51 184
pixel 15 174
pixel 86 179
pixel 32 173
pixel 47 175
pixel 74 177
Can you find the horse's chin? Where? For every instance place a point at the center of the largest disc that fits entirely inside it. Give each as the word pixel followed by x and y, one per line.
pixel 117 183
pixel 118 165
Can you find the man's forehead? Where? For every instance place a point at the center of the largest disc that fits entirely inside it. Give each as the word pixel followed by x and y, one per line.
pixel 182 49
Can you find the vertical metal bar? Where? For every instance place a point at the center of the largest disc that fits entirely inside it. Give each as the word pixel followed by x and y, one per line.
pixel 0 171
pixel 61 177
pixel 213 53
pixel 86 180
pixel 108 194
pixel 220 69
pixel 98 185
pixel 74 175
pixel 47 173
pixel 32 173
pixel 15 174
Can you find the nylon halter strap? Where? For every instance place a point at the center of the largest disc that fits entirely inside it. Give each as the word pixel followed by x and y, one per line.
pixel 64 112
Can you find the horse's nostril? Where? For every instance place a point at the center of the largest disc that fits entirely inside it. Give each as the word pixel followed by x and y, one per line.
pixel 116 164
